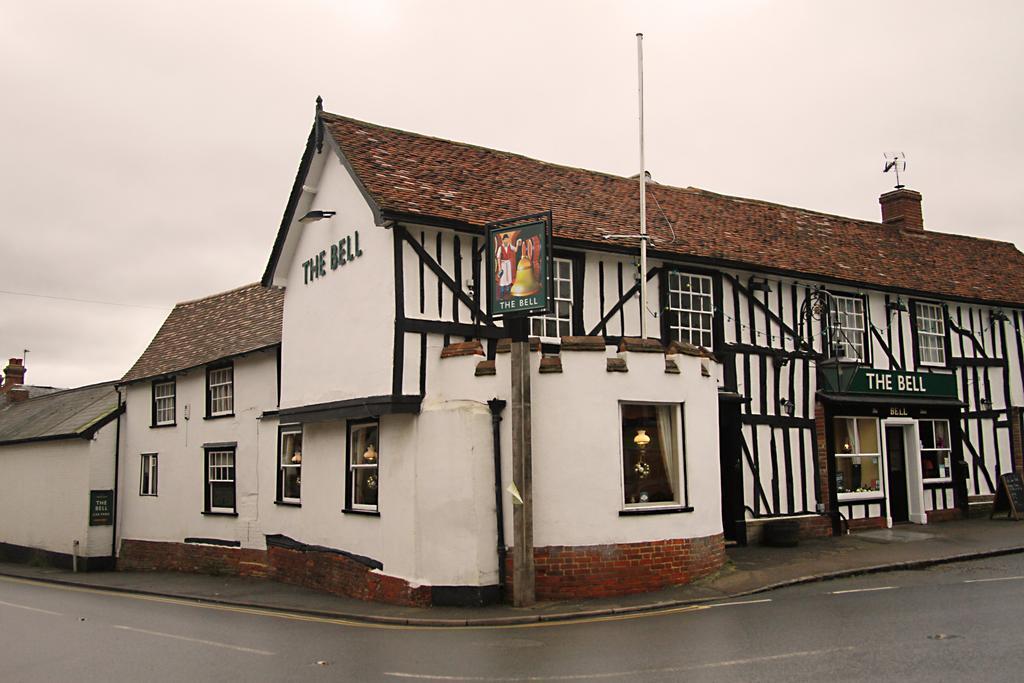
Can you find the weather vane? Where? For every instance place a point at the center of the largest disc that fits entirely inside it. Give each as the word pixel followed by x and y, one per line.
pixel 895 161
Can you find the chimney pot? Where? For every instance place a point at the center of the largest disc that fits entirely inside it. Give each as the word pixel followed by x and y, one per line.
pixel 902 208
pixel 14 374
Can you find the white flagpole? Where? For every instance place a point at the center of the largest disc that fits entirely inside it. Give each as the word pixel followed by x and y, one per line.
pixel 643 191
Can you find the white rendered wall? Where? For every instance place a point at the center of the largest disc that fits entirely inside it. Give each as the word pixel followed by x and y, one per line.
pixel 175 513
pixel 45 503
pixel 338 329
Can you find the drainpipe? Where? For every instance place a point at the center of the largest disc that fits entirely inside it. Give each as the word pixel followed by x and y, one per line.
pixel 497 406
pixel 117 458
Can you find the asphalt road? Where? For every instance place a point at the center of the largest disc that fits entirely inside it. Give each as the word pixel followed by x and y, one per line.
pixel 955 622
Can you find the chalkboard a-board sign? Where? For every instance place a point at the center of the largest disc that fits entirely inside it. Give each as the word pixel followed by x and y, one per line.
pixel 101 508
pixel 1009 496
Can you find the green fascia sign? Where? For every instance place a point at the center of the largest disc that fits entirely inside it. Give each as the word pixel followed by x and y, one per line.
pixel 869 381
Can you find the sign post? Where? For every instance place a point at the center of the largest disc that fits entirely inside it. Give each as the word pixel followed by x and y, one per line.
pixel 519 285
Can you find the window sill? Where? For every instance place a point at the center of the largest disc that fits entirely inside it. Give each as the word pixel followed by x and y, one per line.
pixel 368 513
pixel 147 495
pixel 288 503
pixel 217 417
pixel 937 483
pixel 210 513
pixel 675 509
pixel 859 497
pixel 169 424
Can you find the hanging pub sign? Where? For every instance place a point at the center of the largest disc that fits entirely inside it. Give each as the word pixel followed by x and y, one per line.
pixel 519 266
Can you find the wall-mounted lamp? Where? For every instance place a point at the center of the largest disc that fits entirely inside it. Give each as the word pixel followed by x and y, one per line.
pixel 897 305
pixel 316 216
pixel 998 316
pixel 985 402
pixel 759 286
pixel 780 358
pixel 788 407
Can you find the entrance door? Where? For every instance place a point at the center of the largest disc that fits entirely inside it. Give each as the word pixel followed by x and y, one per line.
pixel 729 439
pixel 898 507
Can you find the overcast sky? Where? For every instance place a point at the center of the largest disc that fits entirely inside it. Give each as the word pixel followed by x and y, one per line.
pixel 148 148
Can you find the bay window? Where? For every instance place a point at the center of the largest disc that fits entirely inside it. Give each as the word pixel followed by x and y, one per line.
pixel 653 468
pixel 856 445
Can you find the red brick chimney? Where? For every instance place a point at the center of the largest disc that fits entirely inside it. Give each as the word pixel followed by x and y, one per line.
pixel 14 374
pixel 902 208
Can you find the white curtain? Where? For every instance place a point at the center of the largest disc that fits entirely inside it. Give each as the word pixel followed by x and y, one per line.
pixel 667 441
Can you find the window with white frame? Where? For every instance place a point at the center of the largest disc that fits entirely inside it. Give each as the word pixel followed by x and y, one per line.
pixel 559 323
pixel 935 450
pixel 290 465
pixel 163 403
pixel 931 334
pixel 220 391
pixel 148 475
pixel 220 480
pixel 363 465
pixel 689 309
pixel 856 445
pixel 846 316
pixel 653 469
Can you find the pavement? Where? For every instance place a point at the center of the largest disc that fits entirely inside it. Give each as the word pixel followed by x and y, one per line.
pixel 752 569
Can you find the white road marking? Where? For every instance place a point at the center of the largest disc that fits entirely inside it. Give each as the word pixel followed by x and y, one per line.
pixel 1001 578
pixel 742 602
pixel 864 590
pixel 214 643
pixel 624 674
pixel 31 609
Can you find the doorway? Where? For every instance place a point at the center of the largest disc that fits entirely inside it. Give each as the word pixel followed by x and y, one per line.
pixel 899 509
pixel 730 459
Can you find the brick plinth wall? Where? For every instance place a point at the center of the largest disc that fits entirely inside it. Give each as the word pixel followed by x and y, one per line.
pixel 813 526
pixel 867 523
pixel 599 571
pixel 322 571
pixel 944 515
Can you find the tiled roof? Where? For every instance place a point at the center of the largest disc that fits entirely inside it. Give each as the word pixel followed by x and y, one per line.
pixel 64 414
pixel 406 173
pixel 218 326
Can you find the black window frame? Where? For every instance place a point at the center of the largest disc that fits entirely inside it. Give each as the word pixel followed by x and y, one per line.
pixel 152 402
pixel 717 321
pixel 209 396
pixel 349 509
pixel 865 330
pixel 281 431
pixel 220 448
pixel 154 478
pixel 915 338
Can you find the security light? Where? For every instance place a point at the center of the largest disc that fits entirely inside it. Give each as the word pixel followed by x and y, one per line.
pixel 316 215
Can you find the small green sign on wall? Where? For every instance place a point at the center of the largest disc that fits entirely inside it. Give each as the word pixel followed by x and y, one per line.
pixel 519 266
pixel 101 507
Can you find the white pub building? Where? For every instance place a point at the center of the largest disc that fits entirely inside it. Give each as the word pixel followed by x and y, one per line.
pixel 340 425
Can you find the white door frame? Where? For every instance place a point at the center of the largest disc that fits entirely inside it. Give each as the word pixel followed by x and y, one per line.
pixel 912 467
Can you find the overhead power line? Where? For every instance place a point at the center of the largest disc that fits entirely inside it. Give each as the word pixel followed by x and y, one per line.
pixel 83 301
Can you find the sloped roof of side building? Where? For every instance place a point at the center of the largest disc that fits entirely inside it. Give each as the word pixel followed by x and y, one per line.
pixel 62 414
pixel 417 178
pixel 223 325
